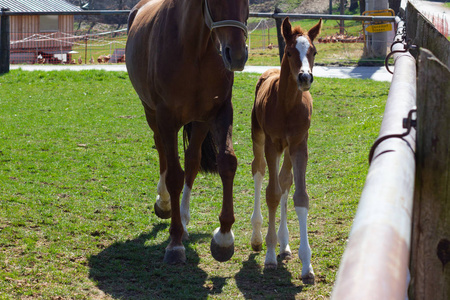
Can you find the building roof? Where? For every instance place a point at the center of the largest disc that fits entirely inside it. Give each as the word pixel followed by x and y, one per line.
pixel 38 6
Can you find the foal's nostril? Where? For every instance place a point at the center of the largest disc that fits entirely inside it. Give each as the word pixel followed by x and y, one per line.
pixel 312 77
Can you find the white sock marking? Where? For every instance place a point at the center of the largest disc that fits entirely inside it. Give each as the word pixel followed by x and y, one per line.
pixel 163 198
pixel 184 207
pixel 223 240
pixel 304 251
pixel 283 231
pixel 257 216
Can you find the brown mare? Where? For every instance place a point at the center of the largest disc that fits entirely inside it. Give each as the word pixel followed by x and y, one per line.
pixel 174 64
pixel 281 118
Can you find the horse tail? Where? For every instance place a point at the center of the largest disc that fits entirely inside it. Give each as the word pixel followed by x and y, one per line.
pixel 208 163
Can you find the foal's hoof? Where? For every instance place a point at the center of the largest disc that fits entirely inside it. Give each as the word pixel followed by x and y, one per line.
pixel 221 253
pixel 257 248
pixel 308 279
pixel 175 256
pixel 161 213
pixel 287 255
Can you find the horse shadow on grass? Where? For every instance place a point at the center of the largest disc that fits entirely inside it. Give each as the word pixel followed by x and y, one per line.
pixel 270 284
pixel 134 269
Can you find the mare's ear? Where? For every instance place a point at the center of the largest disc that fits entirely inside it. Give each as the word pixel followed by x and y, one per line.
pixel 314 32
pixel 286 29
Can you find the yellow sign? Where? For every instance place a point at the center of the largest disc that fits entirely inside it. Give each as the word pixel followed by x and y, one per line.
pixel 379 27
pixel 374 27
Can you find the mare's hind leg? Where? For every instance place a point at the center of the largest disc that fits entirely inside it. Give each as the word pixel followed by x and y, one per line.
pixel 258 170
pixel 222 243
pixel 168 128
pixel 299 157
pixel 162 205
pixel 192 166
pixel 273 194
pixel 285 184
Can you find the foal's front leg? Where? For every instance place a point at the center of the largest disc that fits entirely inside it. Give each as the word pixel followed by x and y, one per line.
pixel 273 195
pixel 301 201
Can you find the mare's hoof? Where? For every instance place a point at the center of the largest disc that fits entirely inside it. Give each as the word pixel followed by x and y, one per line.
pixel 175 256
pixel 257 248
pixel 285 255
pixel 308 279
pixel 270 266
pixel 161 213
pixel 221 253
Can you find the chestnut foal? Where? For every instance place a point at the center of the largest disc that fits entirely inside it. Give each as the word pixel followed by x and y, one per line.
pixel 281 117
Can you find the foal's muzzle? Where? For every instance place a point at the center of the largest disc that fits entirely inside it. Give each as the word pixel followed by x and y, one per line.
pixel 304 81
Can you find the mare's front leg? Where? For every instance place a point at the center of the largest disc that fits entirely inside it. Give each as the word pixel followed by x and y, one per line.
pixel 168 128
pixel 193 157
pixel 222 243
pixel 299 157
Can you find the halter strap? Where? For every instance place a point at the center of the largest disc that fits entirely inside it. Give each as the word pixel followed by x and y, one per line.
pixel 225 23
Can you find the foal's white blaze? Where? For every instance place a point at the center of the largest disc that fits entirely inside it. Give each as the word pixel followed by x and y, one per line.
pixel 283 232
pixel 184 208
pixel 304 251
pixel 223 240
pixel 302 47
pixel 163 198
pixel 257 216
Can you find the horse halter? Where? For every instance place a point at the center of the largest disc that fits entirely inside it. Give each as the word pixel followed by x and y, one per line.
pixel 225 23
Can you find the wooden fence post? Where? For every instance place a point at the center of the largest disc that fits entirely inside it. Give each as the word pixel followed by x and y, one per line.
pixel 4 42
pixel 430 264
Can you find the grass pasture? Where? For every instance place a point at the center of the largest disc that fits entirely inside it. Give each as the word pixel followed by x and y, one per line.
pixel 78 177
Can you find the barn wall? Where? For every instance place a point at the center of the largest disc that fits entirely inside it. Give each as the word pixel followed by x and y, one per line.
pixel 25 34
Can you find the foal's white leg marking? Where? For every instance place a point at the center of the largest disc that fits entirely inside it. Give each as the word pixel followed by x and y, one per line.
pixel 163 198
pixel 257 216
pixel 223 240
pixel 304 251
pixel 302 47
pixel 283 232
pixel 184 208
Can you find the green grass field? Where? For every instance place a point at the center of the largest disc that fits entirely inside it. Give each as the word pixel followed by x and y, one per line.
pixel 78 176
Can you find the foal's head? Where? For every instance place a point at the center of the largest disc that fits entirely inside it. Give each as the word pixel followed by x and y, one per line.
pixel 228 21
pixel 300 52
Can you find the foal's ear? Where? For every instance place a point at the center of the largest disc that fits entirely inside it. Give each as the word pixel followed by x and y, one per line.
pixel 286 29
pixel 314 32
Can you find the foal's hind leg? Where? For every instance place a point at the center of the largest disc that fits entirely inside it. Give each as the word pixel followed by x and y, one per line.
pixel 285 184
pixel 192 166
pixel 299 159
pixel 258 170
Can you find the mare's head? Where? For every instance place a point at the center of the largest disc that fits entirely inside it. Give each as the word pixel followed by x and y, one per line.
pixel 228 18
pixel 300 52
